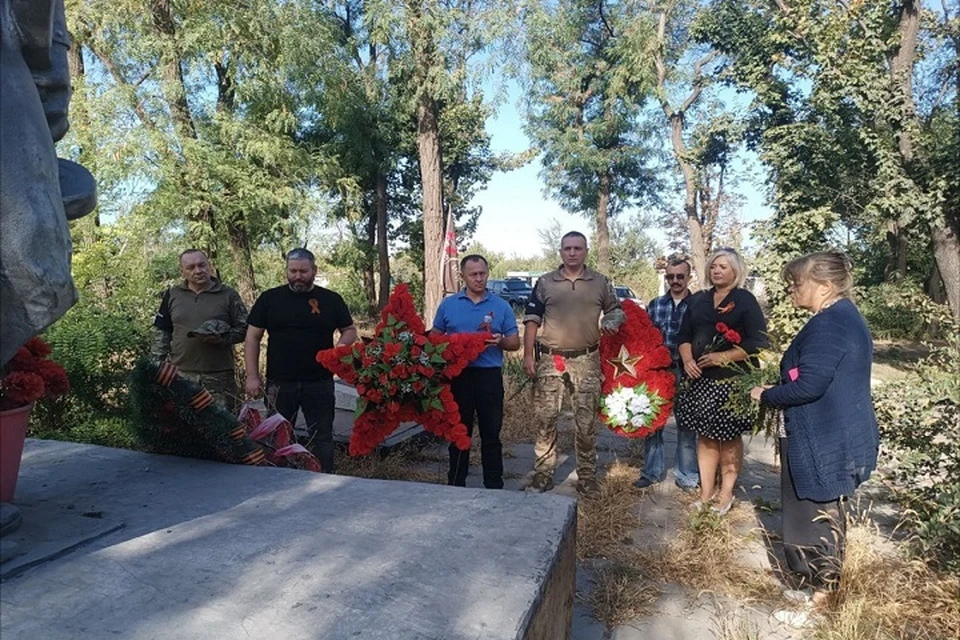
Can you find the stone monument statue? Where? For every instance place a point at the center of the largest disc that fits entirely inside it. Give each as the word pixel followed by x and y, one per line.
pixel 38 191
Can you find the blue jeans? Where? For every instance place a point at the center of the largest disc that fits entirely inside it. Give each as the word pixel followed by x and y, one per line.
pixel 686 472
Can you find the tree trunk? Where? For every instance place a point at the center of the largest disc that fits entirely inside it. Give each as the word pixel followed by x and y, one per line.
pixel 173 87
pixel 603 232
pixel 425 56
pixel 946 251
pixel 431 179
pixel 383 253
pixel 242 262
pixel 698 249
pixel 369 265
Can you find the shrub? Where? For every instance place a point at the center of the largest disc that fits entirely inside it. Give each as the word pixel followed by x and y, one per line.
pixel 919 420
pixel 901 310
pixel 97 347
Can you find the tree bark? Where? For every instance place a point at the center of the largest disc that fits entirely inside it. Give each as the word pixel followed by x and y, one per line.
pixel 603 232
pixel 239 242
pixel 699 244
pixel 424 51
pixel 369 265
pixel 431 179
pixel 173 86
pixel 946 251
pixel 383 253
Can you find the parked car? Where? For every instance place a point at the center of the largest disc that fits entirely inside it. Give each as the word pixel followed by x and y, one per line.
pixel 515 291
pixel 626 293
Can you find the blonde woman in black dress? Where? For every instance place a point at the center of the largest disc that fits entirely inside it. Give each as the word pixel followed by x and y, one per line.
pixel 709 356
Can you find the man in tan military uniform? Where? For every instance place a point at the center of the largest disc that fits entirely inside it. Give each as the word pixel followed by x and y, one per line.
pixel 198 323
pixel 566 308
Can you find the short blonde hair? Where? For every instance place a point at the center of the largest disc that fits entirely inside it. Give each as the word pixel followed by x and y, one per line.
pixel 825 267
pixel 736 263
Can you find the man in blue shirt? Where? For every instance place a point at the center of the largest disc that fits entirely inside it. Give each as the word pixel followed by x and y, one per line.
pixel 666 313
pixel 479 389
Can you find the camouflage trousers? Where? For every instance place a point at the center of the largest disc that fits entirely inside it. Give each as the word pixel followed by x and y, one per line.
pixel 222 385
pixel 581 380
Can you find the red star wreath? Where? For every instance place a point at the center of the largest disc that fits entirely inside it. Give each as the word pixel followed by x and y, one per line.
pixel 638 386
pixel 403 375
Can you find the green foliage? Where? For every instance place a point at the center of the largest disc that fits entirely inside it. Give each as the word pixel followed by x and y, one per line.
pixel 919 420
pixel 587 87
pixel 901 310
pixel 97 347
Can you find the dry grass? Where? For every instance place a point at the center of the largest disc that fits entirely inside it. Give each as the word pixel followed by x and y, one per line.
pixel 403 464
pixel 734 626
pixel 621 593
pixel 884 594
pixel 605 521
pixel 703 557
pixel 519 425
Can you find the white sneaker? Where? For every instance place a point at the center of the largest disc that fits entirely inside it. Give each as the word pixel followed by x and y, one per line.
pixel 795 619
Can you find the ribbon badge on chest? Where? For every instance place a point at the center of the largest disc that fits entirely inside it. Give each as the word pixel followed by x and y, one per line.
pixel 314 306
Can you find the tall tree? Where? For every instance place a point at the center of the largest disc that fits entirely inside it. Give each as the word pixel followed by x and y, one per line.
pixel 848 123
pixel 682 69
pixel 207 97
pixel 587 89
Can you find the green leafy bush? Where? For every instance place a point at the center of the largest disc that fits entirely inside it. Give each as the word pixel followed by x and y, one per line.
pixel 919 420
pixel 97 346
pixel 900 310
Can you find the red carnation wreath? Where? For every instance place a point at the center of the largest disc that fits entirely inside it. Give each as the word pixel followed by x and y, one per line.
pixel 638 385
pixel 403 375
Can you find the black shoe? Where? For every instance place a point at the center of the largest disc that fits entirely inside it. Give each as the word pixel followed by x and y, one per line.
pixel 643 483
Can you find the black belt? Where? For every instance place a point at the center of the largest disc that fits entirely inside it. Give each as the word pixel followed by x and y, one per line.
pixel 568 353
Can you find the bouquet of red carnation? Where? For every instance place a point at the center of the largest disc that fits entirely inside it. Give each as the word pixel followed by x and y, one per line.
pixel 403 375
pixel 31 375
pixel 725 338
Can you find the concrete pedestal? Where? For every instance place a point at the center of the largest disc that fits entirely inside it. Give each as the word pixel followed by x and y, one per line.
pixel 210 550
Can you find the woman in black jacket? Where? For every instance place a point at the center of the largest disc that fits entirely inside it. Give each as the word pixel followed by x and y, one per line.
pixel 829 437
pixel 722 328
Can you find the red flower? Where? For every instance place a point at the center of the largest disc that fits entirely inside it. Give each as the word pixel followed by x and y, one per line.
pixel 722 327
pixel 38 348
pixel 390 361
pixel 55 379
pixel 642 339
pixel 559 363
pixel 31 376
pixel 731 336
pixel 21 388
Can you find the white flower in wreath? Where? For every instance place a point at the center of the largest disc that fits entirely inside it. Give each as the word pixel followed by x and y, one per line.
pixel 629 406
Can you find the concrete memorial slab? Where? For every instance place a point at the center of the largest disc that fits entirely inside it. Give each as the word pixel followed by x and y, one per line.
pixel 211 550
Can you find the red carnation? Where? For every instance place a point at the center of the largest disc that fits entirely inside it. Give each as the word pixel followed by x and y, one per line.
pixel 732 336
pixel 559 363
pixel 21 388
pixel 55 379
pixel 722 327
pixel 38 348
pixel 23 360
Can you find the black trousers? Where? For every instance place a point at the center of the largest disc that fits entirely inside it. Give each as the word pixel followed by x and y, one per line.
pixel 479 392
pixel 316 399
pixel 813 532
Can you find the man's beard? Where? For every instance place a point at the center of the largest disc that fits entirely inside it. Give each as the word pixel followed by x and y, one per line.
pixel 301 287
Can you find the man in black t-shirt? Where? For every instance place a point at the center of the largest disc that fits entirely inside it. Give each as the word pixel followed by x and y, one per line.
pixel 300 319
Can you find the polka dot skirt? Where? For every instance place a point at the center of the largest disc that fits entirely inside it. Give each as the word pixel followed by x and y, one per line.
pixel 699 406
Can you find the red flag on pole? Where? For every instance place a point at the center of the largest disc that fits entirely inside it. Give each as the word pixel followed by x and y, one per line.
pixel 449 266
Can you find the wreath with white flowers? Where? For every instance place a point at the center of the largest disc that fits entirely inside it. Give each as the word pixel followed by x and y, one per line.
pixel 638 385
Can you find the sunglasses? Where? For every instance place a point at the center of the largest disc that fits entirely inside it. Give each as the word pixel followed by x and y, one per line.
pixel 675 276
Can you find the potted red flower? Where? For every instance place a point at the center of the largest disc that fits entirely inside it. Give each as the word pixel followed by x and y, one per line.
pixel 29 376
